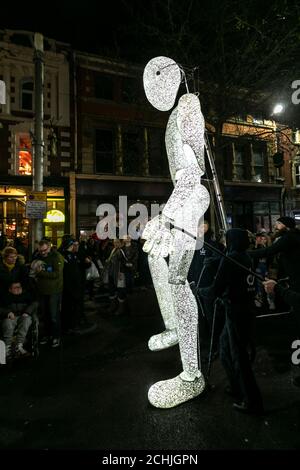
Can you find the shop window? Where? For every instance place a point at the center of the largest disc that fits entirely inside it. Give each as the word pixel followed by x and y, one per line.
pixel 27 95
pixel 260 207
pixel 24 154
pixel 55 220
pixel 104 151
pixel 275 208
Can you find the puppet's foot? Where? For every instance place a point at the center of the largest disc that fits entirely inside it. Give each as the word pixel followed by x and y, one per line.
pixel 173 392
pixel 163 340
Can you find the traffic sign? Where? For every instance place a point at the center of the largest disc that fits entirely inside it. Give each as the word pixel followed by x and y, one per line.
pixel 36 205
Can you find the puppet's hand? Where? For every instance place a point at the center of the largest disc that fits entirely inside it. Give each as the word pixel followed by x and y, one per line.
pixel 158 237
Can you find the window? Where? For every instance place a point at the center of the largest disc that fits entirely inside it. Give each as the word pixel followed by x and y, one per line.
pixel 258 160
pixel 132 152
pixel 297 175
pixel 24 154
pixel 240 163
pixel 104 151
pixel 260 207
pixel 104 87
pixel 158 162
pixel 130 90
pixel 27 95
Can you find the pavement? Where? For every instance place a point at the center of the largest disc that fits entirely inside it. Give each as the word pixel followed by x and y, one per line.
pixel 91 393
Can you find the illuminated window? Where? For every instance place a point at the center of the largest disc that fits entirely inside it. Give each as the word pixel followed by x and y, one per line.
pixel 24 154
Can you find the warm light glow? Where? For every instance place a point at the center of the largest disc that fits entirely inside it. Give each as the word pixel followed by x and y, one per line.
pixel 25 162
pixel 54 216
pixel 24 154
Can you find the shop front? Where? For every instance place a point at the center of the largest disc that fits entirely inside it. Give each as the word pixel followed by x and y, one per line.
pixel 90 193
pixel 254 208
pixel 14 223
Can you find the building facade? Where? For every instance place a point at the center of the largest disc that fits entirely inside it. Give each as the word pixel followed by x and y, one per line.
pixel 259 172
pixel 17 117
pixel 120 140
pixel 103 140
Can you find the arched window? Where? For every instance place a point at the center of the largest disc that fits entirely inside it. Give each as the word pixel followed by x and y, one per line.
pixel 27 94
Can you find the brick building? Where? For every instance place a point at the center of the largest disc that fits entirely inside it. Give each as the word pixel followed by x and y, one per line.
pixel 17 132
pixel 103 139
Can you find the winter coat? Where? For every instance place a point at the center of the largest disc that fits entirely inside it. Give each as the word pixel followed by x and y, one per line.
pixel 73 275
pixel 129 258
pixel 288 245
pixel 19 273
pixel 205 262
pixel 235 284
pixel 50 280
pixel 18 304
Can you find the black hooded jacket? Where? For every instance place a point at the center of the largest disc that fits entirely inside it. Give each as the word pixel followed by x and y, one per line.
pixel 205 257
pixel 231 281
pixel 288 245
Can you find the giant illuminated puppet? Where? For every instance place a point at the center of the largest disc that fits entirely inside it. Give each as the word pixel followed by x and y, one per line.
pixel 169 234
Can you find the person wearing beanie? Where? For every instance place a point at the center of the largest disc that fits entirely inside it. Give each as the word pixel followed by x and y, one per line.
pixel 287 246
pixel 288 222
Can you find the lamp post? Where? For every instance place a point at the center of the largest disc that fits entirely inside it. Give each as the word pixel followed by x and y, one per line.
pixel 38 164
pixel 279 160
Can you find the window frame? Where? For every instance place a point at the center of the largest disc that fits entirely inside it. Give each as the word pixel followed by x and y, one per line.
pixel 100 152
pixel 26 92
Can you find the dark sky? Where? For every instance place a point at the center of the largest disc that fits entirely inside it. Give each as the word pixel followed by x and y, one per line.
pixel 91 25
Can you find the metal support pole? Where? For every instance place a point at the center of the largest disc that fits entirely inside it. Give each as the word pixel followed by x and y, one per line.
pixel 38 157
pixel 219 199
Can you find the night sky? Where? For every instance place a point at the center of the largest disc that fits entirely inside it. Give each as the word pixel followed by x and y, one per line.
pixel 230 43
pixel 90 25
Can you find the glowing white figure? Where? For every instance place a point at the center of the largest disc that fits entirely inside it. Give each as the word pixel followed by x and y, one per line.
pixel 185 208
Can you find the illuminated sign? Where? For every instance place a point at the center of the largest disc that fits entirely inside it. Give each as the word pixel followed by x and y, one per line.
pixel 54 216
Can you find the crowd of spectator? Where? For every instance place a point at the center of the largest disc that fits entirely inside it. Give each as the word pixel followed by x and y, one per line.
pixel 42 299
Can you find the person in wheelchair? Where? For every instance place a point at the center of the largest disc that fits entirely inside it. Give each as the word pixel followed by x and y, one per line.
pixel 18 312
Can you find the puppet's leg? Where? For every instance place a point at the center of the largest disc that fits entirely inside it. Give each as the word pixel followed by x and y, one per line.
pixel 160 276
pixel 190 383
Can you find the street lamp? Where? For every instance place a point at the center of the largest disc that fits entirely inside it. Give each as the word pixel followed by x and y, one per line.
pixel 278 157
pixel 278 108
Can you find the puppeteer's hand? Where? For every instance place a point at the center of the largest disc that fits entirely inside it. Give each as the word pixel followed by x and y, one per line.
pixel 158 237
pixel 269 285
